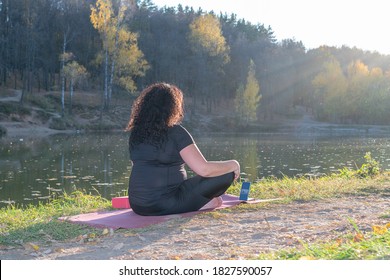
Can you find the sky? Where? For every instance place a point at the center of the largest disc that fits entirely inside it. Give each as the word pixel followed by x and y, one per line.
pixel 364 24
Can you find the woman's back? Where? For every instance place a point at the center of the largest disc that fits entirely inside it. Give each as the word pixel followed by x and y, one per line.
pixel 155 169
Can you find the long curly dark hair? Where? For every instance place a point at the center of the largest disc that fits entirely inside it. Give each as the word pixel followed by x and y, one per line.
pixel 158 107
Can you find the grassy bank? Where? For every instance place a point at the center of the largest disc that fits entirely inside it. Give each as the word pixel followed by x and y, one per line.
pixel 35 225
pixel 19 226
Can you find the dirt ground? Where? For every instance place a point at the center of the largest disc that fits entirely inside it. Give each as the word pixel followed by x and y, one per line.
pixel 237 234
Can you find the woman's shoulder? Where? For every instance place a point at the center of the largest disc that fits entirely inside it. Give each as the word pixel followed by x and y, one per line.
pixel 178 128
pixel 181 134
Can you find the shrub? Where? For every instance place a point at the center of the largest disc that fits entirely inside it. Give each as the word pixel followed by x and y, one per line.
pixel 3 131
pixel 8 108
pixel 43 116
pixel 368 169
pixel 60 123
pixel 42 102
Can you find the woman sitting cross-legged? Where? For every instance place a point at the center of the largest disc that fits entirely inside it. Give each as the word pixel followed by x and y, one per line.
pixel 159 150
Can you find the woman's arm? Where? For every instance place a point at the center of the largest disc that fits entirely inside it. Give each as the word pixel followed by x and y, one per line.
pixel 195 160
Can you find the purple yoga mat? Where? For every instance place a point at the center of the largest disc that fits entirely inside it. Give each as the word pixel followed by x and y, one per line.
pixel 126 218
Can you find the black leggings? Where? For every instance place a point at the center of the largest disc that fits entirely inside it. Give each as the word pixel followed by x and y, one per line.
pixel 191 195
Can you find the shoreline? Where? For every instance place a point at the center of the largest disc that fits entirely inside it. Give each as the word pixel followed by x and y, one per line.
pixel 23 130
pixel 17 131
pixel 32 126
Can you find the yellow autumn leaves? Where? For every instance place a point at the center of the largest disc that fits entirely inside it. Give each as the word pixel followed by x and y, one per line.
pixel 206 33
pixel 352 93
pixel 350 247
pixel 123 60
pixel 377 229
pixel 93 237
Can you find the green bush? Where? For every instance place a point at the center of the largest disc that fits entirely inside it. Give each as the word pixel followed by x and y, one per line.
pixel 64 123
pixel 42 102
pixel 368 169
pixel 103 125
pixel 43 116
pixel 8 108
pixel 3 131
pixel 60 124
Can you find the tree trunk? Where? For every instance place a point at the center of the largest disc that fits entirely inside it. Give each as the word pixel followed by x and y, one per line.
pixel 63 76
pixel 70 96
pixel 24 88
pixel 114 57
pixel 105 94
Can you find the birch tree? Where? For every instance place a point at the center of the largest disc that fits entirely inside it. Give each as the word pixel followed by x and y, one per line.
pixel 75 73
pixel 64 58
pixel 123 60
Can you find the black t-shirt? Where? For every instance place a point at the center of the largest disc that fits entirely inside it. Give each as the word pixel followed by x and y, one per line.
pixel 157 172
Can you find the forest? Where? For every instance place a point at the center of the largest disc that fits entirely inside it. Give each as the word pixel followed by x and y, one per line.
pixel 116 47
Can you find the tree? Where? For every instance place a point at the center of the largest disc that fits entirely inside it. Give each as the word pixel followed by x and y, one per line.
pixel 358 76
pixel 75 73
pixel 206 35
pixel 206 55
pixel 64 58
pixel 68 34
pixel 248 97
pixel 330 87
pixel 210 53
pixel 4 41
pixel 120 47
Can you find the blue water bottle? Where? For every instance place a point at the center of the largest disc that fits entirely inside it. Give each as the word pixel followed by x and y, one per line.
pixel 244 194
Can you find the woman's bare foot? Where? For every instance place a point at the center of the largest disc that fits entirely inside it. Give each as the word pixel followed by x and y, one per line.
pixel 214 203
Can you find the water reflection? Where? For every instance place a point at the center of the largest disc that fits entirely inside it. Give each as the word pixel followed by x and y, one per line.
pixel 32 171
pixel 264 155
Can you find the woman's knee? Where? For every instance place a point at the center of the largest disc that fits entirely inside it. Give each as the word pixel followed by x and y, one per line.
pixel 228 178
pixel 216 186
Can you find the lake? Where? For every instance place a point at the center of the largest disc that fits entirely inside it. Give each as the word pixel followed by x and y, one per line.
pixel 32 171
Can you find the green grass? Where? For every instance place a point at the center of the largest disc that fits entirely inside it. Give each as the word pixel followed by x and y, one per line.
pixel 305 189
pixel 366 179
pixel 36 223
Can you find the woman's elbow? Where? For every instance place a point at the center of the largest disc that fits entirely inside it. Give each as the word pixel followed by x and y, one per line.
pixel 204 172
